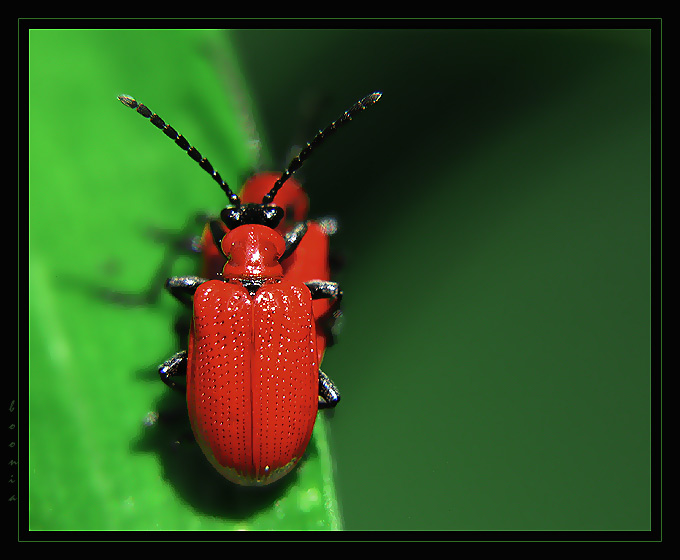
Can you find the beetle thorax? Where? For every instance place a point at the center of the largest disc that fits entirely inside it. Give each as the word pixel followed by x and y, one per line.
pixel 253 251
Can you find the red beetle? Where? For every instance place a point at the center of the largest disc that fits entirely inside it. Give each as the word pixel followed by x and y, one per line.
pixel 253 382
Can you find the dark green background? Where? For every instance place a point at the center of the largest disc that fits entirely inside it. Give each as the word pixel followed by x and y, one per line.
pixel 495 225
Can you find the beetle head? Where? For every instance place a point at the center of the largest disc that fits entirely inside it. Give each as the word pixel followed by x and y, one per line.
pixel 247 214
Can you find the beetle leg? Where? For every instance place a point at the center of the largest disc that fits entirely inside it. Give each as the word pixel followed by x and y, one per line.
pixel 217 233
pixel 174 367
pixel 329 396
pixel 324 289
pixel 184 287
pixel 293 238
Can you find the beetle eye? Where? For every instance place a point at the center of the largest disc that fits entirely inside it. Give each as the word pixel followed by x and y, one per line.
pixel 245 214
pixel 231 217
pixel 272 216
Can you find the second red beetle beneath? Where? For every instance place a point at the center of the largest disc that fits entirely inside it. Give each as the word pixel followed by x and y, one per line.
pixel 253 383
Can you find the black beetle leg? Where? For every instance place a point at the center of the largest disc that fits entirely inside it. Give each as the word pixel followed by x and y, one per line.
pixel 293 238
pixel 174 367
pixel 184 287
pixel 329 396
pixel 324 289
pixel 217 233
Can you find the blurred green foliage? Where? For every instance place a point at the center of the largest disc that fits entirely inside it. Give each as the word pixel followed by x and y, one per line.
pixel 495 214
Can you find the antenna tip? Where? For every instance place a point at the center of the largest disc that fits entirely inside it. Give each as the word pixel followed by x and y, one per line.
pixel 373 97
pixel 128 101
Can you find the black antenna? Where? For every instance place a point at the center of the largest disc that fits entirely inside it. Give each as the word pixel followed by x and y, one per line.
pixel 298 160
pixel 182 143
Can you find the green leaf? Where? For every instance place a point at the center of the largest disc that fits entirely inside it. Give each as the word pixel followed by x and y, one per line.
pixel 109 445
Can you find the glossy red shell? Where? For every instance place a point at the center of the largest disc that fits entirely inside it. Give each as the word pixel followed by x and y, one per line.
pixel 252 375
pixel 252 378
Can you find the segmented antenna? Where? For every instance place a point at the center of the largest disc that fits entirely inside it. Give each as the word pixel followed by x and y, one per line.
pixel 181 142
pixel 298 160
